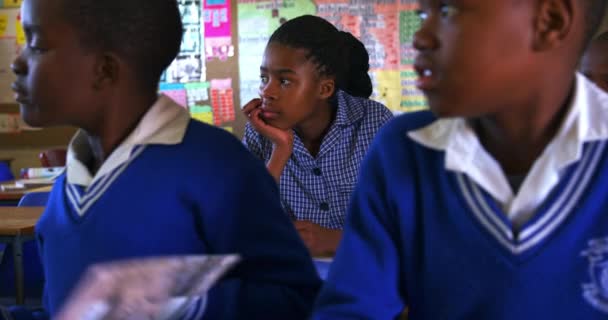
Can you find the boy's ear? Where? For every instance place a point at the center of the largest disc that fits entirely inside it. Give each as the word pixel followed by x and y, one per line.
pixel 553 23
pixel 107 68
pixel 327 86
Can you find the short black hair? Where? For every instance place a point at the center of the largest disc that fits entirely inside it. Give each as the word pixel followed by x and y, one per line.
pixel 336 53
pixel 594 13
pixel 146 33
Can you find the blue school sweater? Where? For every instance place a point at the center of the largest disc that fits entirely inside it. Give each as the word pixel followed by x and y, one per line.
pixel 420 236
pixel 205 195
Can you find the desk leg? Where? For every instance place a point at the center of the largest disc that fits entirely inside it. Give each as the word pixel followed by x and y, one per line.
pixel 18 257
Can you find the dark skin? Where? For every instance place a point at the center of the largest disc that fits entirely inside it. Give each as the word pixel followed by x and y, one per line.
pixel 59 82
pixel 516 146
pixel 461 76
pixel 294 98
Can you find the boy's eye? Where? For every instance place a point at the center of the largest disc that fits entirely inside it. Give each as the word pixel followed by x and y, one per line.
pixel 285 82
pixel 448 10
pixel 35 49
pixel 264 79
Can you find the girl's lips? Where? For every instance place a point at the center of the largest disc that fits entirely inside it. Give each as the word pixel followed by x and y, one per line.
pixel 270 115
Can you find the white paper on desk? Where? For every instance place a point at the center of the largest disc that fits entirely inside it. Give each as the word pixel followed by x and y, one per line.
pixel 40 182
pixel 149 288
pixel 49 175
pixel 12 187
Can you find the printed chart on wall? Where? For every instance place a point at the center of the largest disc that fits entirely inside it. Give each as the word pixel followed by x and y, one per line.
pixel 207 36
pixel 12 41
pixel 385 27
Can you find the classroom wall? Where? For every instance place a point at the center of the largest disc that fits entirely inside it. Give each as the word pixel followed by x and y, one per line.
pixel 24 147
pixel 215 72
pixel 25 157
pixel 386 28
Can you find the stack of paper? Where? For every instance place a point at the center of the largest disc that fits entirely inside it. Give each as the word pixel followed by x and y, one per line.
pixel 151 288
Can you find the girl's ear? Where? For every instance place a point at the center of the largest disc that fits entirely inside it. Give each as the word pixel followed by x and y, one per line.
pixel 327 86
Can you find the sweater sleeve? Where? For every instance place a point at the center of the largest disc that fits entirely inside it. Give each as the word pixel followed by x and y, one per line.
pixel 276 278
pixel 364 280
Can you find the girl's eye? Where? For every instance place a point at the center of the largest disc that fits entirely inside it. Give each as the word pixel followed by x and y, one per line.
pixel 422 15
pixel 448 10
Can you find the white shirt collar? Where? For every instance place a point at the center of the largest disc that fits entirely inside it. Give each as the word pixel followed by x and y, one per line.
pixel 586 120
pixel 164 123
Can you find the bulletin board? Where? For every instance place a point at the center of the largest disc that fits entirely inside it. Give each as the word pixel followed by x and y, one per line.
pixel 218 65
pixel 386 28
pixel 203 78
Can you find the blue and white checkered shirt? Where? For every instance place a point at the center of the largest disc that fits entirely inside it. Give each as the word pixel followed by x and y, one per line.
pixel 319 189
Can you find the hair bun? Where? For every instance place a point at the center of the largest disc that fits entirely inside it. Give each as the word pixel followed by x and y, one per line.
pixel 356 66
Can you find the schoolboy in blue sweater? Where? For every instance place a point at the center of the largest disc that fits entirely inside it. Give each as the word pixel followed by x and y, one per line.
pixel 142 178
pixel 494 205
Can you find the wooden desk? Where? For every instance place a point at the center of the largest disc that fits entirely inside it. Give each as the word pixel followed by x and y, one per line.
pixel 12 197
pixel 16 226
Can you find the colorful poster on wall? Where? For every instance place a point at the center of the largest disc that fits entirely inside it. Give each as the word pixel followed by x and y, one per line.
pixel 184 80
pixel 218 24
pixel 411 98
pixel 10 3
pixel 222 102
pixel 186 94
pixel 257 20
pixel 207 35
pixel 11 44
pixel 202 113
pixel 175 91
pixel 385 27
pixel 197 91
pixel 189 66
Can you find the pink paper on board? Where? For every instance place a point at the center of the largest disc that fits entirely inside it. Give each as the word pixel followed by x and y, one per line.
pixel 217 17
